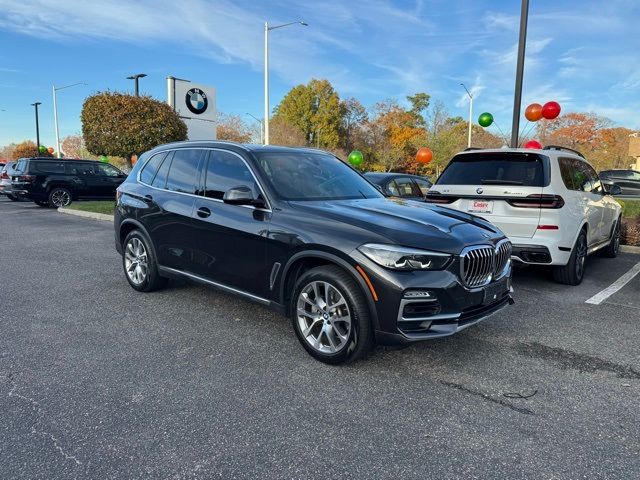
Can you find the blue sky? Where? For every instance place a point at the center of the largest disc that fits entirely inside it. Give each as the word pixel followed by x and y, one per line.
pixel 584 54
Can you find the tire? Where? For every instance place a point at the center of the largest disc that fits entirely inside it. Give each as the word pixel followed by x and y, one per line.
pixel 612 250
pixel 13 198
pixel 573 272
pixel 60 197
pixel 142 276
pixel 339 334
pixel 41 203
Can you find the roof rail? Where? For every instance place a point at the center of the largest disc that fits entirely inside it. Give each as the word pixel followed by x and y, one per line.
pixel 566 149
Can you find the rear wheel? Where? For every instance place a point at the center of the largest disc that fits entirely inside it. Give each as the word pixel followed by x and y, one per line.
pixel 140 264
pixel 611 250
pixel 573 272
pixel 13 198
pixel 59 197
pixel 330 316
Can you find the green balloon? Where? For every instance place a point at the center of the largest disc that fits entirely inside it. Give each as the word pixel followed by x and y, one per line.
pixel 485 119
pixel 356 158
pixel 104 159
pixel 42 149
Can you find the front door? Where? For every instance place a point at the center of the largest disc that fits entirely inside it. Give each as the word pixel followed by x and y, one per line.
pixel 231 238
pixel 108 179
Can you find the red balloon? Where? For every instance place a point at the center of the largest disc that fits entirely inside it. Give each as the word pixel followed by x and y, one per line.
pixel 424 155
pixel 533 113
pixel 551 110
pixel 533 144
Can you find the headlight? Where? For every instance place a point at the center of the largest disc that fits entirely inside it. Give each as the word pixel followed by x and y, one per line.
pixel 402 258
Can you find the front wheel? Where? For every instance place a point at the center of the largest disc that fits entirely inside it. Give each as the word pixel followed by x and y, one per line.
pixel 573 272
pixel 59 197
pixel 330 315
pixel 13 198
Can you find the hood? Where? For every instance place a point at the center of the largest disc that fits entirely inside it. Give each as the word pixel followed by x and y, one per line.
pixel 407 223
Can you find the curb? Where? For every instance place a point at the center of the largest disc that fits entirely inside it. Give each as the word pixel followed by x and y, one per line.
pixel 630 249
pixel 92 215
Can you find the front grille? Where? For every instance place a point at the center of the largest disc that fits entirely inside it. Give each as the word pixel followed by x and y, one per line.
pixel 479 265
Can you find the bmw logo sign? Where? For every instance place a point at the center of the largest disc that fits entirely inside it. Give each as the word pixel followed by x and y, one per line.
pixel 197 101
pixel 478 190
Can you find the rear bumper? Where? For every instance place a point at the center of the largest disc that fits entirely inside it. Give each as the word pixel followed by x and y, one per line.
pixel 538 251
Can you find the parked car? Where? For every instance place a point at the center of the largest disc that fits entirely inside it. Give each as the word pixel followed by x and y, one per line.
pixel 627 180
pixel 6 171
pixel 58 182
pixel 550 203
pixel 300 231
pixel 402 185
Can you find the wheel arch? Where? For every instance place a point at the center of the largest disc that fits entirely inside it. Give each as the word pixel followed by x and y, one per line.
pixel 308 259
pixel 130 224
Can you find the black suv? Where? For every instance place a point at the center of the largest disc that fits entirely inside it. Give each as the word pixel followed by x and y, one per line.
pixel 627 180
pixel 57 182
pixel 302 232
pixel 410 187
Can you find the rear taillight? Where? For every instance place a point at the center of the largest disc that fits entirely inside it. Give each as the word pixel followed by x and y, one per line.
pixel 435 197
pixel 26 178
pixel 4 175
pixel 537 201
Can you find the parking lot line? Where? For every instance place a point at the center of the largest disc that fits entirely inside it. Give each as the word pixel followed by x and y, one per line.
pixel 601 296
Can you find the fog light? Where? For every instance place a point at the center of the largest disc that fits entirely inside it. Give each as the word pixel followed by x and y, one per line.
pixel 419 294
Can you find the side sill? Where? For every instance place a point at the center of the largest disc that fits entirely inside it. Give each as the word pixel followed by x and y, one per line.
pixel 174 273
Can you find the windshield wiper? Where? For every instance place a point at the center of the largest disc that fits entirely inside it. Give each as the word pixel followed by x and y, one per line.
pixel 500 182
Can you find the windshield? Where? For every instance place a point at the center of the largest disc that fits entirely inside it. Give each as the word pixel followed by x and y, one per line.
pixel 313 176
pixel 523 169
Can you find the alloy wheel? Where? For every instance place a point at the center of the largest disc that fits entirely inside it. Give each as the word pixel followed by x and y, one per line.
pixel 135 261
pixel 61 198
pixel 323 317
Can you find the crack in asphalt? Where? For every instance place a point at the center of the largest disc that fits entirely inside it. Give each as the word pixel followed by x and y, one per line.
pixel 576 361
pixel 488 397
pixel 40 413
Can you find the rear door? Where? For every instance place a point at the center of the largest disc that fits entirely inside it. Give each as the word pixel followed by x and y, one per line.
pixel 505 188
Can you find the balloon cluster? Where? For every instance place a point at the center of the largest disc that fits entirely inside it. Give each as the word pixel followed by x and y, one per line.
pixel 535 111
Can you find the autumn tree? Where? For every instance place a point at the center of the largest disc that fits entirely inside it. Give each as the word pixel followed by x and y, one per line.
pixel 122 125
pixel 283 133
pixel 234 129
pixel 419 105
pixel 316 110
pixel 28 149
pixel 6 152
pixel 355 115
pixel 73 146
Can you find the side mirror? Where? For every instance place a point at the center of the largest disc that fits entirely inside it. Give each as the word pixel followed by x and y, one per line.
pixel 241 195
pixel 614 189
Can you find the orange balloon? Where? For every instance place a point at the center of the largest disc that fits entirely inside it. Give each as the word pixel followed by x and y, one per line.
pixel 134 159
pixel 50 149
pixel 533 113
pixel 424 155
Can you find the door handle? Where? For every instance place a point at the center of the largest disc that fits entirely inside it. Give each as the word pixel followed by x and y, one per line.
pixel 203 212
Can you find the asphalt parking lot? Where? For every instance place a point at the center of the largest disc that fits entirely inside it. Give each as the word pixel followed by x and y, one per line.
pixel 98 381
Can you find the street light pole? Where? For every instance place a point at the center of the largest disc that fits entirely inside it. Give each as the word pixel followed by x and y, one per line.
pixel 136 78
pixel 470 114
pixel 55 113
pixel 37 124
pixel 261 123
pixel 517 98
pixel 267 28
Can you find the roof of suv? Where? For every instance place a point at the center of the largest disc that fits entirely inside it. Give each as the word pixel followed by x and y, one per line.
pixel 251 147
pixel 549 151
pixel 49 159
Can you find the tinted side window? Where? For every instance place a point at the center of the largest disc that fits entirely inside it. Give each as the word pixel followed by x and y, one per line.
pixel 596 185
pixel 568 172
pixel 151 168
pixel 160 180
pixel 526 169
pixel 423 185
pixel 226 170
pixel 107 170
pixel 80 168
pixel 183 174
pixel 405 186
pixel 47 167
pixel 392 189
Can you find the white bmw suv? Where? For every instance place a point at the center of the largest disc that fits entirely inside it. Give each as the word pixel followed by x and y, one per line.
pixel 550 203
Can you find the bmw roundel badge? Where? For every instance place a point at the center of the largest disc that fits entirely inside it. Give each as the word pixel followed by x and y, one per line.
pixel 479 190
pixel 196 101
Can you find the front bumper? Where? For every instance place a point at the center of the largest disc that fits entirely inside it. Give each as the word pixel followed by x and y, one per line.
pixel 415 306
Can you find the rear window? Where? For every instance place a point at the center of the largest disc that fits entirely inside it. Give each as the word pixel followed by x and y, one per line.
pixel 520 169
pixel 47 167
